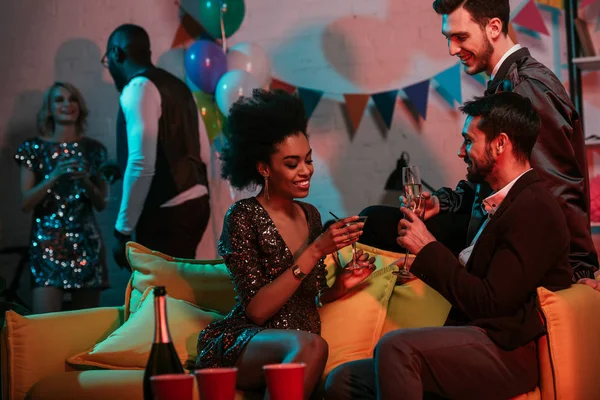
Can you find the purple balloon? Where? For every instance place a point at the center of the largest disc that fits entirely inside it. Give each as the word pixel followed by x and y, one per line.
pixel 205 63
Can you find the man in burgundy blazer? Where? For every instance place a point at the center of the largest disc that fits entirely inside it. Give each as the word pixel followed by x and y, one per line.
pixel 487 348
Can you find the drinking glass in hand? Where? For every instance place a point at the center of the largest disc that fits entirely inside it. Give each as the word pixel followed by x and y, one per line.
pixel 411 179
pixel 110 173
pixel 361 219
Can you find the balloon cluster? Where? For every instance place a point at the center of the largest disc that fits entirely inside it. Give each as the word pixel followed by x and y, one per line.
pixel 222 74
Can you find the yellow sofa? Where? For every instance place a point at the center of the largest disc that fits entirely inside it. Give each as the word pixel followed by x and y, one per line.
pixel 52 356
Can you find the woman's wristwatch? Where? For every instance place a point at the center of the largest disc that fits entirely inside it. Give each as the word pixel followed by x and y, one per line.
pixel 298 272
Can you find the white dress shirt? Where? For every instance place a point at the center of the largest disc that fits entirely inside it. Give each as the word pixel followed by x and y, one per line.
pixel 504 57
pixel 141 105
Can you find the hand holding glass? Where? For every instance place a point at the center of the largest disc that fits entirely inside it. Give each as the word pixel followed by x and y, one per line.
pixel 110 173
pixel 411 179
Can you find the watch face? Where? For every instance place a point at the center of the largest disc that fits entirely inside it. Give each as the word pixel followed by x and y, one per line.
pixel 297 272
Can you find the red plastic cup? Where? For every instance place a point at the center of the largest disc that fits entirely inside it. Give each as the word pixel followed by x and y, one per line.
pixel 172 386
pixel 285 381
pixel 216 383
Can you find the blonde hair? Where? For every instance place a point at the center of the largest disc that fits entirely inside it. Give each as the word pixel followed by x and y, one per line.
pixel 45 121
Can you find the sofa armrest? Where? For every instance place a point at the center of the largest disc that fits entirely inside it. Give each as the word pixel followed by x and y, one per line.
pixel 568 355
pixel 36 346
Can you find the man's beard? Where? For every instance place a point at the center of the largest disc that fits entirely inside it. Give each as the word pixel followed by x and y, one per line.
pixel 481 170
pixel 483 58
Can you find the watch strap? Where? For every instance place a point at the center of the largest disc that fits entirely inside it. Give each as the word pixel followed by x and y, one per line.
pixel 298 272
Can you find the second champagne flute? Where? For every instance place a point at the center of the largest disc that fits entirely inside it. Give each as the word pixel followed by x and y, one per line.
pixel 360 219
pixel 411 179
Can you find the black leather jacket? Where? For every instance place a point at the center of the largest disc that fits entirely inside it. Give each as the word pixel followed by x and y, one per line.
pixel 558 157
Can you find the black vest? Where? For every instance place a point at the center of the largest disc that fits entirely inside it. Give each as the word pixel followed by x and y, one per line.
pixel 178 165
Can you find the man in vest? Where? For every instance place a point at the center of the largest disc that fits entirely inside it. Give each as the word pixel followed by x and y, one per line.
pixel 165 187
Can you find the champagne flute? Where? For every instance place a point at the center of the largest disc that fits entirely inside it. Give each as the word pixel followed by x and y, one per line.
pixel 110 173
pixel 411 179
pixel 360 219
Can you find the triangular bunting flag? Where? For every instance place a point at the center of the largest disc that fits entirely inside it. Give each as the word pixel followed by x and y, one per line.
pixel 181 37
pixel 277 84
pixel 355 104
pixel 558 4
pixel 385 103
pixel 310 98
pixel 417 94
pixel 189 30
pixel 481 78
pixel 448 85
pixel 530 18
pixel 585 3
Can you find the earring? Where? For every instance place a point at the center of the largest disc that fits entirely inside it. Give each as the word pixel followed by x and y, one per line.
pixel 266 187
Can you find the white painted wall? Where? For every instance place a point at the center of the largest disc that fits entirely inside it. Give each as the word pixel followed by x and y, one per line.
pixel 339 46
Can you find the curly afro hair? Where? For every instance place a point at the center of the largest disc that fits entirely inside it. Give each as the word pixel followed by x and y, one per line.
pixel 256 125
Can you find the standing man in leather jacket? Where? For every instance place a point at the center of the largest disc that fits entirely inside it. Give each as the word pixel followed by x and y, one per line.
pixel 477 33
pixel 165 186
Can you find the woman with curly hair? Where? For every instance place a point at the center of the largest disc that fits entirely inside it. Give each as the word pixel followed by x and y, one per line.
pixel 274 247
pixel 61 183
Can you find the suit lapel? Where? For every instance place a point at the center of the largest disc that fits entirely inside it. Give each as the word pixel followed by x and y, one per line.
pixel 526 180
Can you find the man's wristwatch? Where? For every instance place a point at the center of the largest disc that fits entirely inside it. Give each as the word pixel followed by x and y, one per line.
pixel 298 272
pixel 122 236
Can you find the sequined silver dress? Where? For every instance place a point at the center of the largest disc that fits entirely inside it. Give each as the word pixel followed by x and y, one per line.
pixel 66 247
pixel 256 254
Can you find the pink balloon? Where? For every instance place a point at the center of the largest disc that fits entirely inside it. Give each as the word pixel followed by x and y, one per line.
pixel 251 58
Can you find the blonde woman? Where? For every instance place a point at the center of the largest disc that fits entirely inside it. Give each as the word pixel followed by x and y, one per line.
pixel 62 185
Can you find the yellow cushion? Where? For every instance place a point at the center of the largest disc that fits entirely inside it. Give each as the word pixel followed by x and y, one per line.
pixel 412 305
pixel 205 283
pixel 352 325
pixel 129 346
pixel 37 345
pixel 571 352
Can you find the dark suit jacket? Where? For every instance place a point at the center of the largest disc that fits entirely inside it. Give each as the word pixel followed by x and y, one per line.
pixel 558 156
pixel 524 245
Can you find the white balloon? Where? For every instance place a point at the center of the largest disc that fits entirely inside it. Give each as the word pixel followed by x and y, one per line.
pixel 232 86
pixel 251 58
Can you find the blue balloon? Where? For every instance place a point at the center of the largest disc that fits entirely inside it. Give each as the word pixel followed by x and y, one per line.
pixel 205 64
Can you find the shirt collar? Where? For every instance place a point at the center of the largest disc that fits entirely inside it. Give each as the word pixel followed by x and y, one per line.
pixel 504 57
pixel 492 202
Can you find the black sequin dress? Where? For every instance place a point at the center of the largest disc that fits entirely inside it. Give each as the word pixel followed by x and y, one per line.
pixel 66 248
pixel 256 254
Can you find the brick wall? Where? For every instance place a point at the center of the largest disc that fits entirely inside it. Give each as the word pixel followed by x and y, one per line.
pixel 339 46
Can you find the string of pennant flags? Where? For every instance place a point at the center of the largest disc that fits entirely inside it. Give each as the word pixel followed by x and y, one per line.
pixel 447 83
pixel 525 19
